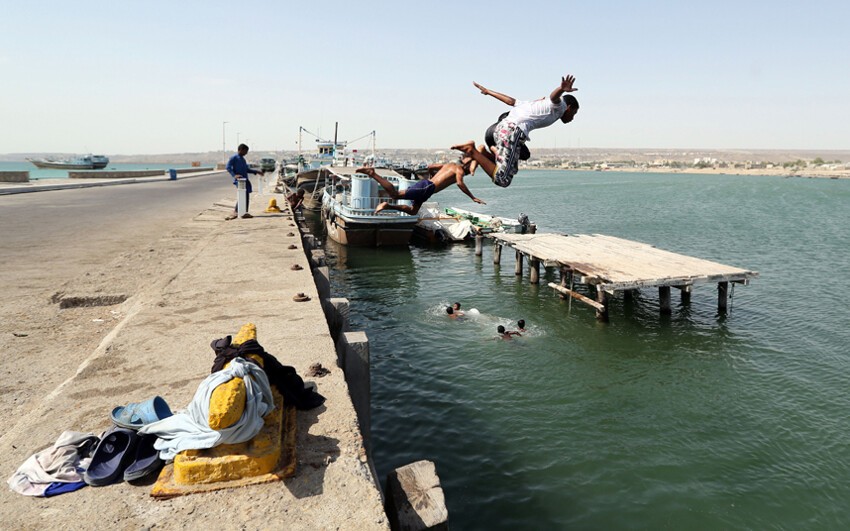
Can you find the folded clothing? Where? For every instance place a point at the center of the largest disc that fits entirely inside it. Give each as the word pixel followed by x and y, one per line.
pixel 283 377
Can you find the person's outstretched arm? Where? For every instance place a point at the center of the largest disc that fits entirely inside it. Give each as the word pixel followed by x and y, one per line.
pixel 565 86
pixel 465 190
pixel 498 95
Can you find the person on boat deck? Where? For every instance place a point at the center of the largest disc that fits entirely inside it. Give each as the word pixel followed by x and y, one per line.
pixel 442 176
pixel 502 161
pixel 506 334
pixel 237 167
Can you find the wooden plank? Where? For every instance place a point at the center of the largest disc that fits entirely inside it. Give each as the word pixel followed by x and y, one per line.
pixel 578 296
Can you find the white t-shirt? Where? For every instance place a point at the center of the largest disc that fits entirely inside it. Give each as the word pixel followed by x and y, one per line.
pixel 531 115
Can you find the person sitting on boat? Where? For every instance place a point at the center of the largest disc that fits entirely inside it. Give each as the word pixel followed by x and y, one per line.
pixel 238 167
pixel 501 162
pixel 442 176
pixel 295 199
pixel 506 334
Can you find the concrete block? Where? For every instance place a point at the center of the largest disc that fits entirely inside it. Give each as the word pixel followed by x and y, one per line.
pixel 356 367
pixel 415 499
pixel 14 176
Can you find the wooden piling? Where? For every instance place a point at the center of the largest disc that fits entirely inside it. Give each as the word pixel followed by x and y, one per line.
pixel 534 266
pixel 497 253
pixel 686 293
pixel 722 295
pixel 602 299
pixel 478 245
pixel 664 300
pixel 518 268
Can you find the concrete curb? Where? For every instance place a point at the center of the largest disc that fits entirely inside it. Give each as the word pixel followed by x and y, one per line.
pixel 24 188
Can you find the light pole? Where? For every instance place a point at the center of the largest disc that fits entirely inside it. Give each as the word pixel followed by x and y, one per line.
pixel 223 142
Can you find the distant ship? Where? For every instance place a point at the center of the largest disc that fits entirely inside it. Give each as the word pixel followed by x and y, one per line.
pixel 85 162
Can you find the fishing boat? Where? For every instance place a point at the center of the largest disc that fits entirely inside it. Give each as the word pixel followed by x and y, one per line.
pixel 82 162
pixel 436 226
pixel 312 173
pixel 487 223
pixel 348 209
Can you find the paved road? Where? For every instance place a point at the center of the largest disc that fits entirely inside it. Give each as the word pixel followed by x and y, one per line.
pixel 46 236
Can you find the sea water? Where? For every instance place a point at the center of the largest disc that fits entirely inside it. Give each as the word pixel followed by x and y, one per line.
pixel 689 421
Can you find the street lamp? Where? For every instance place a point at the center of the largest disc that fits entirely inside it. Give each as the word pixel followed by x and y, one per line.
pixel 223 142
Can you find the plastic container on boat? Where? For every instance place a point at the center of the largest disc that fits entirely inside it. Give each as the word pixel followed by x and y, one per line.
pixel 362 192
pixel 404 184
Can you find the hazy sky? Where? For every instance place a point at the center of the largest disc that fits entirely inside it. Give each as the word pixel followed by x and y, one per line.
pixel 121 77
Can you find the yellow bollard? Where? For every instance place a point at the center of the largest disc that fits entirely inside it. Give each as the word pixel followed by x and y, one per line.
pixel 272 206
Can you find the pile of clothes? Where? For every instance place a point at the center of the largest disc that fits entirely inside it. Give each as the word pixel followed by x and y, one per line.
pixel 146 434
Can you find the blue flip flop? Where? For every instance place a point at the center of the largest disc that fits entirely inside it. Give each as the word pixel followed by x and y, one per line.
pixel 134 416
pixel 146 460
pixel 111 457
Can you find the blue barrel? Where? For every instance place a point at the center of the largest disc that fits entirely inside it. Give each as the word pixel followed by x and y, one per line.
pixel 172 174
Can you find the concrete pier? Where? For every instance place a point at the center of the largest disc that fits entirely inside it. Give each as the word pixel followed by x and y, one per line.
pixel 218 275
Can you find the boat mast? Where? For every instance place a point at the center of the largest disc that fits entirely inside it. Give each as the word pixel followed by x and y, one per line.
pixel 333 152
pixel 300 165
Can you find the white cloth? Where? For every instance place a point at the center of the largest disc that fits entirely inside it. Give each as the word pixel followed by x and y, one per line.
pixel 189 429
pixel 60 463
pixel 531 115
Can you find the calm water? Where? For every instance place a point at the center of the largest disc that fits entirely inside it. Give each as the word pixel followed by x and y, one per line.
pixel 693 421
pixel 41 173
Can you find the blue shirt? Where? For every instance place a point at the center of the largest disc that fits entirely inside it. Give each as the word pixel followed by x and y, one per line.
pixel 237 166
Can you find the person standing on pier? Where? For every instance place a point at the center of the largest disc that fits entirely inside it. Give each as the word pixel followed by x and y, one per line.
pixel 443 176
pixel 510 135
pixel 238 167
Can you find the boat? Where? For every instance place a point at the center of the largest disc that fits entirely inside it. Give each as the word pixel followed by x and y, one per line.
pixel 312 175
pixel 487 223
pixel 82 162
pixel 436 226
pixel 348 209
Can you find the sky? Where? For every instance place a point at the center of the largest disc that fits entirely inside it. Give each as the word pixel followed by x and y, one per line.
pixel 119 77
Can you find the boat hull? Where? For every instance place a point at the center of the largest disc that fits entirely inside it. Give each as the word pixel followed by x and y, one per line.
pixel 61 165
pixel 349 232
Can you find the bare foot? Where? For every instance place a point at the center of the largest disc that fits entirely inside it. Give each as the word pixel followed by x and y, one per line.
pixel 381 207
pixel 467 148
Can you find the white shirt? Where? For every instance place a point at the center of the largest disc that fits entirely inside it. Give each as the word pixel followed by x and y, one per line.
pixel 531 115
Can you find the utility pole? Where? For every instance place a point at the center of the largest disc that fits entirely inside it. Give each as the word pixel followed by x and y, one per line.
pixel 223 142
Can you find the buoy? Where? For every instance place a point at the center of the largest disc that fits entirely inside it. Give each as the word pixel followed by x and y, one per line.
pixel 272 206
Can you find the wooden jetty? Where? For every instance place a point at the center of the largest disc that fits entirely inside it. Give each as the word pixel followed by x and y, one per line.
pixel 609 264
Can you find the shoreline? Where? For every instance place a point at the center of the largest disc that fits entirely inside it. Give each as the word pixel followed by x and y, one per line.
pixel 762 172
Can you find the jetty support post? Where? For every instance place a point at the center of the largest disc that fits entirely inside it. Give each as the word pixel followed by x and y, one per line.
pixel 534 266
pixel 686 293
pixel 566 279
pixel 722 296
pixel 664 300
pixel 602 298
pixel 497 252
pixel 478 244
pixel 518 268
